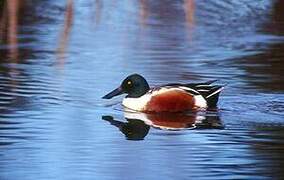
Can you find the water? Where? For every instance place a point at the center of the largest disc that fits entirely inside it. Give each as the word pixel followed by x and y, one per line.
pixel 57 62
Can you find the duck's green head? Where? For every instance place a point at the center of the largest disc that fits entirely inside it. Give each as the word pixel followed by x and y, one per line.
pixel 134 86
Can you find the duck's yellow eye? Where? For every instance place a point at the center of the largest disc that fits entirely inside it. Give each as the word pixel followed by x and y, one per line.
pixel 129 82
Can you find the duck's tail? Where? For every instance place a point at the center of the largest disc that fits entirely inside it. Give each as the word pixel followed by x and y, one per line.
pixel 212 96
pixel 210 92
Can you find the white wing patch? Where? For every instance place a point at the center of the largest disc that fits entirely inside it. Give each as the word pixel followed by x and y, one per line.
pixel 200 102
pixel 203 90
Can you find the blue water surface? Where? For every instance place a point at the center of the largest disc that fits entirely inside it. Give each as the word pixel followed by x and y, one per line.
pixel 58 58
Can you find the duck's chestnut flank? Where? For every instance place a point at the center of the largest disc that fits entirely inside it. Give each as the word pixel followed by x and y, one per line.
pixel 170 101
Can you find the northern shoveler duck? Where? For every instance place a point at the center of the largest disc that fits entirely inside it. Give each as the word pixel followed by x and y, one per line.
pixel 173 97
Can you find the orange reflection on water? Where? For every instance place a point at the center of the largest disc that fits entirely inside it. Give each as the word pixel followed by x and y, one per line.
pixel 64 37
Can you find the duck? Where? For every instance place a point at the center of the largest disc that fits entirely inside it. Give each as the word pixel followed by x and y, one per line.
pixel 172 97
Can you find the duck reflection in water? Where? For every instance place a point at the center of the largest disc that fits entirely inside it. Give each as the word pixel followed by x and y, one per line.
pixel 138 124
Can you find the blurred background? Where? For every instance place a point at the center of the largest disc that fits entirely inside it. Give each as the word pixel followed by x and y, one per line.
pixel 58 58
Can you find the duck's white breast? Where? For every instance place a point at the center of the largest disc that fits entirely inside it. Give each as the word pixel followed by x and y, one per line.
pixel 137 104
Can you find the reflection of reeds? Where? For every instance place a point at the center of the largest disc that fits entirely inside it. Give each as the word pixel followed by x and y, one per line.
pixel 98 11
pixel 13 9
pixel 189 8
pixel 143 12
pixel 9 27
pixel 65 32
pixel 3 21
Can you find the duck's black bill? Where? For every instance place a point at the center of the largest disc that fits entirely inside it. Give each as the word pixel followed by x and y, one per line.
pixel 113 93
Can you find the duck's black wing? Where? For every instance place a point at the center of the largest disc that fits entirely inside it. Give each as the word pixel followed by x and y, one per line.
pixel 206 89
